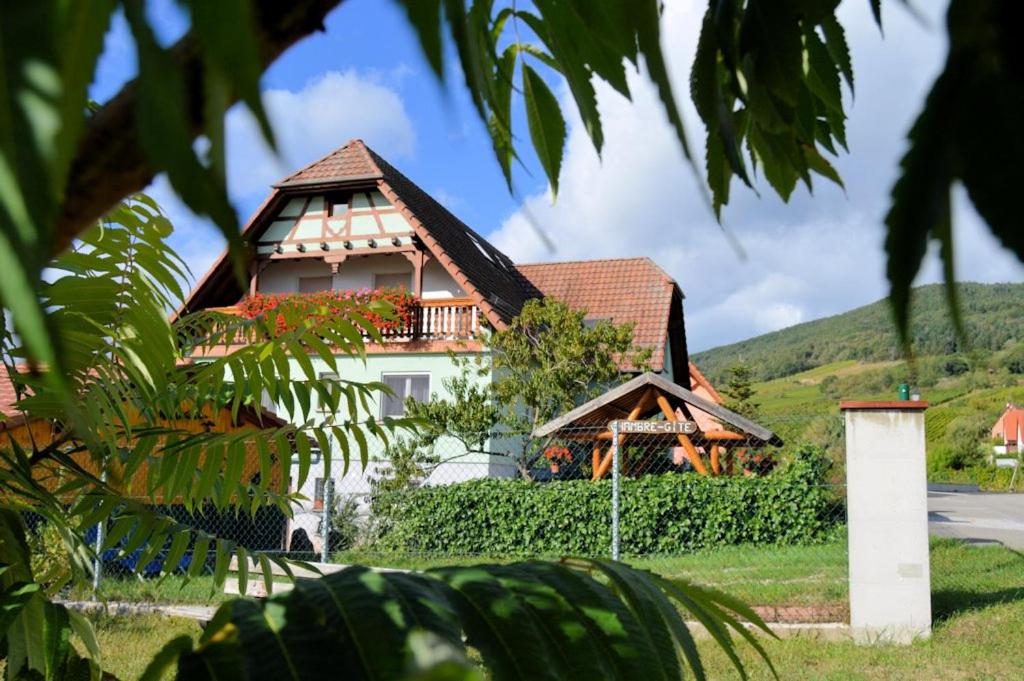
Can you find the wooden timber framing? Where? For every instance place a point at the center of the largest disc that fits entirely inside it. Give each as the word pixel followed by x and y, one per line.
pixel 649 395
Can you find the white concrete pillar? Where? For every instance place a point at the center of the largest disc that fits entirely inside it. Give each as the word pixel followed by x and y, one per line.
pixel 887 517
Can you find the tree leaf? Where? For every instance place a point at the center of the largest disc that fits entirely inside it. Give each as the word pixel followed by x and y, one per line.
pixel 547 127
pixel 835 41
pixel 920 197
pixel 425 17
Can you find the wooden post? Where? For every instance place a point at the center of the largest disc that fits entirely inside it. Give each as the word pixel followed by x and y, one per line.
pixel 716 467
pixel 691 451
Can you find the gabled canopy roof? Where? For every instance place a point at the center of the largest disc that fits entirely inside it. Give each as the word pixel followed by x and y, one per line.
pixel 484 272
pixel 618 402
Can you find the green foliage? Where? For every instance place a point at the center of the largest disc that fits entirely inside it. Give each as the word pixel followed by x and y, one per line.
pixel 549 360
pixel 137 416
pixel 670 513
pixel 970 108
pixel 48 557
pixel 956 365
pixel 1014 359
pixel 409 462
pixel 346 528
pixel 966 444
pixel 583 42
pixel 536 620
pixel 993 315
pixel 739 392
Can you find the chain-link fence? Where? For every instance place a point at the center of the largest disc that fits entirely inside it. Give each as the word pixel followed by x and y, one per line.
pixel 713 506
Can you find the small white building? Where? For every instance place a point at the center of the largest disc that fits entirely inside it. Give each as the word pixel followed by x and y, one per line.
pixel 1009 428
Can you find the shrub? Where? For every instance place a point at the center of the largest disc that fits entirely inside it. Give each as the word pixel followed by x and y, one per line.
pixel 956 365
pixel 49 557
pixel 669 513
pixel 345 523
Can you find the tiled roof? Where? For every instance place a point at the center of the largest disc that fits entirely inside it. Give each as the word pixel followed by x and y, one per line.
pixel 482 270
pixel 629 289
pixel 491 273
pixel 622 290
pixel 7 395
pixel 1010 422
pixel 350 162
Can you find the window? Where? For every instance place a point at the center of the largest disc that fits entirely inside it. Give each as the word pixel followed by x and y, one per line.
pixel 399 280
pixel 315 284
pixel 416 386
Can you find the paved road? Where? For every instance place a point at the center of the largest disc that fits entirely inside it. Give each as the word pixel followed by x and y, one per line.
pixel 977 517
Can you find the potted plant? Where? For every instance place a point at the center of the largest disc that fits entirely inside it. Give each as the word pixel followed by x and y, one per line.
pixel 555 457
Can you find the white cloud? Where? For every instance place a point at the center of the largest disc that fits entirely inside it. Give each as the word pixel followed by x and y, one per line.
pixel 815 256
pixel 309 122
pixel 322 116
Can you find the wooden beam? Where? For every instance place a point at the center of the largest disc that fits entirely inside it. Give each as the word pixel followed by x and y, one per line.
pixel 605 466
pixel 716 466
pixel 633 415
pixel 723 435
pixel 417 259
pixel 684 441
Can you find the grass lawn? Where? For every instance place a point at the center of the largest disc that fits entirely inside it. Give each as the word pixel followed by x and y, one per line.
pixel 780 577
pixel 769 576
pixel 977 599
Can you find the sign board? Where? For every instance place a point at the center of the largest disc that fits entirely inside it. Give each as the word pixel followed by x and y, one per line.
pixel 657 427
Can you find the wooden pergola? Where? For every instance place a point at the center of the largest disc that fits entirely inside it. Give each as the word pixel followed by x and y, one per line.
pixel 645 397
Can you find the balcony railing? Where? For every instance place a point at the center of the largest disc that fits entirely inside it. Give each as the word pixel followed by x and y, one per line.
pixel 441 319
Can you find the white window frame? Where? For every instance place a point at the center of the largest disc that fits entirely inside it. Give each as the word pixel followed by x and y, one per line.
pixel 408 375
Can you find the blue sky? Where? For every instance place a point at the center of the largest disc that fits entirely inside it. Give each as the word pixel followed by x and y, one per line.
pixel 364 77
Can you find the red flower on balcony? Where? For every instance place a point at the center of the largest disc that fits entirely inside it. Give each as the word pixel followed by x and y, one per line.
pixel 397 313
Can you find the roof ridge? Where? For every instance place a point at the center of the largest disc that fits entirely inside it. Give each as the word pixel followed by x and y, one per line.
pixel 355 143
pixel 363 147
pixel 668 278
pixel 587 260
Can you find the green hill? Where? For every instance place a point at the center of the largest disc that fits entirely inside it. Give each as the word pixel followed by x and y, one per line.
pixel 993 315
pixel 805 370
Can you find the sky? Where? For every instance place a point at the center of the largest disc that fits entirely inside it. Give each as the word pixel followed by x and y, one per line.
pixel 818 255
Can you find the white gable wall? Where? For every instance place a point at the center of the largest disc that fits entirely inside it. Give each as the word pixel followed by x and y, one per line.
pixel 355 273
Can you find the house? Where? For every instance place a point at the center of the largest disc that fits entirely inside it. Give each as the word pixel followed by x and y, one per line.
pixel 350 220
pixel 1009 428
pixel 267 530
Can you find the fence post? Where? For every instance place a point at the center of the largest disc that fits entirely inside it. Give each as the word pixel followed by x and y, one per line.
pixel 615 490
pixel 887 515
pixel 325 544
pixel 97 567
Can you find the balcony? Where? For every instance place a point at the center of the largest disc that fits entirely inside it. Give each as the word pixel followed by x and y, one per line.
pixel 447 319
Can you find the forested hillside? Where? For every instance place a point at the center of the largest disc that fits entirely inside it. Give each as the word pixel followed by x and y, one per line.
pixel 993 314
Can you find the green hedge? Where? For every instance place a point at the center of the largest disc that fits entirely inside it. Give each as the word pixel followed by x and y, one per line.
pixel 670 513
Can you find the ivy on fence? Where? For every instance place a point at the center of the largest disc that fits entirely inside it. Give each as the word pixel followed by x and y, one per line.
pixel 661 514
